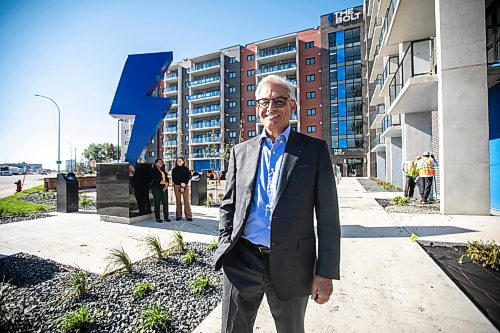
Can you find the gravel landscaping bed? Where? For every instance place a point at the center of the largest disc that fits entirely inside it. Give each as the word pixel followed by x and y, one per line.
pixel 37 293
pixel 371 185
pixel 413 207
pixel 19 218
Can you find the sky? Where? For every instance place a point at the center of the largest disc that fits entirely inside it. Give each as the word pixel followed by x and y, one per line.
pixel 74 52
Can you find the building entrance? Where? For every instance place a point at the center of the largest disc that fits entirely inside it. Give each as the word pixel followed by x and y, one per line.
pixel 355 167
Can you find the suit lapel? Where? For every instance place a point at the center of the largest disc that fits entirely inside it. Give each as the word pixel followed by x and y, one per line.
pixel 251 164
pixel 293 151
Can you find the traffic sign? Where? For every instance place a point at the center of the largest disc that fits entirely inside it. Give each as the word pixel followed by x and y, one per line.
pixel 58 162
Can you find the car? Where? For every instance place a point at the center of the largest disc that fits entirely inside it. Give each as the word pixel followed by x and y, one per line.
pixel 6 173
pixel 43 172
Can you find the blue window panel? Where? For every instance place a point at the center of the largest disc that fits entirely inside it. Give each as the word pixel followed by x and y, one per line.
pixel 342 110
pixel 341 91
pixel 340 55
pixel 343 143
pixel 341 73
pixel 342 126
pixel 339 38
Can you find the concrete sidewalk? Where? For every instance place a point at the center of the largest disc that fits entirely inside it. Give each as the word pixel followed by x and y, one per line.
pixel 388 283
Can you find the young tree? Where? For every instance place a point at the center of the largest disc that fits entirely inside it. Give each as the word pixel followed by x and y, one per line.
pixel 101 152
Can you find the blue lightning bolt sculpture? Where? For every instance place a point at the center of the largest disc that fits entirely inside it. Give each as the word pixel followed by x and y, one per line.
pixel 141 75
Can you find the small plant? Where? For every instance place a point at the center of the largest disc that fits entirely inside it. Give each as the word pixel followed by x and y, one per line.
pixel 142 289
pixel 213 245
pixel 486 254
pixel 153 316
pixel 76 321
pixel 86 201
pixel 119 258
pixel 78 283
pixel 6 308
pixel 189 258
pixel 400 201
pixel 220 196
pixel 199 285
pixel 154 245
pixel 177 243
pixel 209 201
pixel 46 194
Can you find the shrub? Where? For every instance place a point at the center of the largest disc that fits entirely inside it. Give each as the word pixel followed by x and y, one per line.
pixel 78 283
pixel 400 201
pixel 213 245
pixel 76 321
pixel 208 202
pixel 154 317
pixel 199 285
pixel 120 259
pixel 6 308
pixel 86 201
pixel 153 243
pixel 189 258
pixel 177 243
pixel 486 254
pixel 142 289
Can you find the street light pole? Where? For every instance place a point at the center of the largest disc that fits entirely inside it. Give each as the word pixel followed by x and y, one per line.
pixel 58 132
pixel 118 147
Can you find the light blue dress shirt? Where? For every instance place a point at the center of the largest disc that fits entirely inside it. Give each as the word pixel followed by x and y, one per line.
pixel 258 226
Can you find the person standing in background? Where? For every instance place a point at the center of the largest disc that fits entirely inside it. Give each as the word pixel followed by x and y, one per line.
pixel 159 187
pixel 410 172
pixel 180 178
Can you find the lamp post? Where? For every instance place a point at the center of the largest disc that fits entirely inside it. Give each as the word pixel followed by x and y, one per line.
pixel 118 147
pixel 58 132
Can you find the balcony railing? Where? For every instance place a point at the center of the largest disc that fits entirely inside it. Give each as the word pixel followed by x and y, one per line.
pixel 204 65
pixel 170 89
pixel 206 124
pixel 379 109
pixel 418 59
pixel 389 121
pixel 294 116
pixel 171 115
pixel 206 154
pixel 274 51
pixel 376 142
pixel 170 129
pixel 391 67
pixel 170 76
pixel 387 23
pixel 206 139
pixel 170 143
pixel 174 101
pixel 203 95
pixel 205 109
pixel 204 80
pixel 275 68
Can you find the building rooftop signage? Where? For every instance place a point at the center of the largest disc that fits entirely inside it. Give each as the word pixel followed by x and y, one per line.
pixel 345 16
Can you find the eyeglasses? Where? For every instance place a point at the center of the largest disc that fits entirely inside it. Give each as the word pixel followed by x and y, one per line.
pixel 278 102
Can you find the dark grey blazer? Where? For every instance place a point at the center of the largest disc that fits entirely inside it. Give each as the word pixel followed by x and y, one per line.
pixel 307 184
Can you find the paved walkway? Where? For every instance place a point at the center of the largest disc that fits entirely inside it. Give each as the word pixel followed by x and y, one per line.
pixel 388 283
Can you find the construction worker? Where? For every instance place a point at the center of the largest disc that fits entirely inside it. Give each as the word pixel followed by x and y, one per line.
pixel 426 171
pixel 410 173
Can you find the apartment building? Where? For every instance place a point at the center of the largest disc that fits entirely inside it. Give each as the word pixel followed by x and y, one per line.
pixel 428 91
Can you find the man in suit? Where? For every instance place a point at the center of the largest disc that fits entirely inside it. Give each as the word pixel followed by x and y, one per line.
pixel 267 244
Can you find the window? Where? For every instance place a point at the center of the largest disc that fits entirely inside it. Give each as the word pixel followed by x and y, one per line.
pixel 251 72
pixel 310 61
pixel 311 112
pixel 152 140
pixel 186 152
pixel 186 124
pixel 251 87
pixel 352 53
pixel 351 35
pixel 310 94
pixel 309 45
pixel 232 75
pixel 232 119
pixel 126 131
pixel 311 77
pixel 232 60
pixel 231 104
pixel 232 134
pixel 251 134
pixel 251 117
pixel 186 110
pixel 126 143
pixel 250 57
pixel 311 129
pixel 151 154
pixel 232 89
pixel 251 102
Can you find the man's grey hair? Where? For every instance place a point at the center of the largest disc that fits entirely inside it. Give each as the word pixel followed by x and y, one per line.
pixel 279 80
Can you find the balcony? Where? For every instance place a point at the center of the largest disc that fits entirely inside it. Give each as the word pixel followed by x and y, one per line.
pixel 391 127
pixel 375 36
pixel 378 115
pixel 414 85
pixel 205 110
pixel 170 143
pixel 170 129
pixel 204 82
pixel 174 101
pixel 205 125
pixel 383 49
pixel 376 98
pixel 170 91
pixel 294 117
pixel 204 96
pixel 205 139
pixel 420 13
pixel 205 67
pixel 281 68
pixel 277 53
pixel 170 77
pixel 205 154
pixel 377 144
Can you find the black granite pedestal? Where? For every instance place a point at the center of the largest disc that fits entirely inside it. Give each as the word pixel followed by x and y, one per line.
pixel 115 195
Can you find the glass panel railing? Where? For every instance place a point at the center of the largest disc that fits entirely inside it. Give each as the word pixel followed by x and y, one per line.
pixel 174 101
pixel 206 138
pixel 206 123
pixel 379 110
pixel 170 143
pixel 170 76
pixel 294 117
pixel 418 59
pixel 391 66
pixel 204 65
pixel 205 109
pixel 276 68
pixel 169 89
pixel 203 80
pixel 389 121
pixel 277 50
pixel 376 142
pixel 171 115
pixel 206 154
pixel 203 95
pixel 389 13
pixel 170 129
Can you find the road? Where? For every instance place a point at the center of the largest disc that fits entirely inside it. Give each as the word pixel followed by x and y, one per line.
pixel 7 186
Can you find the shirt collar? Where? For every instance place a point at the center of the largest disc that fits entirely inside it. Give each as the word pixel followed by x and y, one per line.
pixel 285 134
